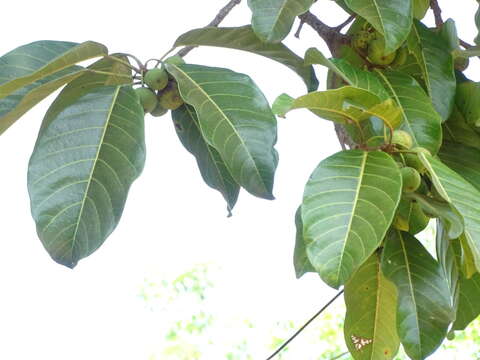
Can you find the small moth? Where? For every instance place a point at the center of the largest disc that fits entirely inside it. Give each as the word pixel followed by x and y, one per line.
pixel 360 342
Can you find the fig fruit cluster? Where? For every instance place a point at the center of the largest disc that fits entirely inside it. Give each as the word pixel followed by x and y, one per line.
pixel 159 92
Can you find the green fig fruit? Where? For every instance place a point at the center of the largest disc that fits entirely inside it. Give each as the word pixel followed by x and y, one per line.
pixel 156 79
pixel 400 57
pixel 159 111
pixel 451 335
pixel 402 139
pixel 376 53
pixel 175 60
pixel 148 99
pixel 411 179
pixel 170 97
pixel 461 63
pixel 361 40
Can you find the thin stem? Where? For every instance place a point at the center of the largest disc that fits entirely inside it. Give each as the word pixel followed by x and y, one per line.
pixel 284 345
pixel 222 14
pixel 437 13
pixel 340 356
pixel 345 23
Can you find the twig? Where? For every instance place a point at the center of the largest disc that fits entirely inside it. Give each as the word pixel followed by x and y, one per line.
pixel 340 356
pixel 465 44
pixel 437 13
pixel 299 30
pixel 222 14
pixel 284 345
pixel 345 23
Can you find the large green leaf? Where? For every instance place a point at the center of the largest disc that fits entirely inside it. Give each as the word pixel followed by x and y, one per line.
pixel 89 151
pixel 420 119
pixel 352 75
pixel 32 62
pixel 212 167
pixel 300 259
pixel 436 64
pixel 463 196
pixel 272 20
pixel 349 105
pixel 457 130
pixel 410 216
pixel 424 305
pixel 348 204
pixel 236 120
pixel 464 160
pixel 467 100
pixel 371 302
pixel 391 18
pixel 468 301
pixel 420 8
pixel 243 38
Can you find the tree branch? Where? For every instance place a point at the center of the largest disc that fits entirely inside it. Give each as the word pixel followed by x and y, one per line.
pixel 437 13
pixel 222 14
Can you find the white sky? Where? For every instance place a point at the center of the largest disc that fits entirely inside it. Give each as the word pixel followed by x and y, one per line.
pixel 172 220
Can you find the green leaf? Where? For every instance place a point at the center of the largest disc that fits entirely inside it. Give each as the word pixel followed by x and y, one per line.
pixel 348 204
pixel 477 24
pixel 300 259
pixel 352 75
pixel 464 160
pixel 282 105
pixel 89 151
pixel 272 20
pixel 436 64
pixel 349 105
pixel 371 302
pixel 420 119
pixel 391 18
pixel 236 120
pixel 32 62
pixel 456 129
pixel 420 8
pixel 467 100
pixel 463 197
pixel 410 217
pixel 243 38
pixel 424 306
pixel 468 261
pixel 468 302
pixel 449 33
pixel 212 167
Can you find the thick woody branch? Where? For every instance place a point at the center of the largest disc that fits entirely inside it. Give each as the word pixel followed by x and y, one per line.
pixel 222 14
pixel 437 13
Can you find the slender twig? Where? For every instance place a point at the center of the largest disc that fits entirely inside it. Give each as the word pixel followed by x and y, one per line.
pixel 340 356
pixel 299 30
pixel 465 44
pixel 437 13
pixel 284 345
pixel 345 23
pixel 222 14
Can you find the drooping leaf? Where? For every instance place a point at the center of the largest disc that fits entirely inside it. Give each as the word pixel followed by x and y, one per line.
pixel 349 105
pixel 410 217
pixel 272 20
pixel 467 100
pixel 436 63
pixel 236 120
pixel 282 104
pixel 420 119
pixel 457 130
pixel 468 303
pixel 464 160
pixel 449 33
pixel 89 151
pixel 420 8
pixel 352 75
pixel 371 302
pixel 300 259
pixel 212 167
pixel 468 262
pixel 391 18
pixel 424 307
pixel 32 62
pixel 348 204
pixel 243 38
pixel 463 196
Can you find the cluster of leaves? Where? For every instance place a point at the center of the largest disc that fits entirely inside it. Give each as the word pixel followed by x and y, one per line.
pixel 358 218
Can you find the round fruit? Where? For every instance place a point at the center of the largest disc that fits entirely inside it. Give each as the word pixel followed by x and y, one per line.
pixel 170 97
pixel 402 139
pixel 401 57
pixel 156 79
pixel 361 40
pixel 159 111
pixel 461 63
pixel 148 99
pixel 175 60
pixel 376 53
pixel 451 335
pixel 411 179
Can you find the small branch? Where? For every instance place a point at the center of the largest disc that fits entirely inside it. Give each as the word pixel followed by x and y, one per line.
pixel 222 14
pixel 340 356
pixel 465 44
pixel 437 13
pixel 299 30
pixel 284 345
pixel 345 23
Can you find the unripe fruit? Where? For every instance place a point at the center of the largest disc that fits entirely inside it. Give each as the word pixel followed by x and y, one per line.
pixel 170 97
pixel 156 79
pixel 402 139
pixel 376 53
pixel 451 335
pixel 148 99
pixel 411 179
pixel 461 63
pixel 159 111
pixel 175 60
pixel 361 40
pixel 401 57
